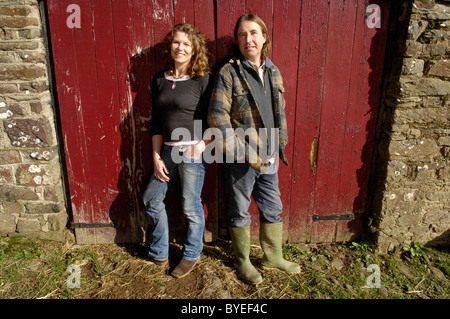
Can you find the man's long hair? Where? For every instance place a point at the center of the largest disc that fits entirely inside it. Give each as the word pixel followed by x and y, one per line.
pixel 253 17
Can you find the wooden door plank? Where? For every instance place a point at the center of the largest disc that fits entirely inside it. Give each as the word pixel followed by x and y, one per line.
pixel 285 48
pixel 228 11
pixel 311 73
pixel 184 11
pixel 204 18
pixel 341 26
pixel 68 95
pixel 367 66
pixel 163 22
pixel 140 72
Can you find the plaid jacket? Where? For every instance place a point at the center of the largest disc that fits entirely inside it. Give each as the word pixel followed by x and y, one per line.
pixel 233 107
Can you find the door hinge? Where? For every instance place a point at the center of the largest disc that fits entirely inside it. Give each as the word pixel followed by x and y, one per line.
pixel 90 225
pixel 345 216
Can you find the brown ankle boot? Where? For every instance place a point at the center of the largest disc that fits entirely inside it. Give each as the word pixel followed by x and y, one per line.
pixel 183 268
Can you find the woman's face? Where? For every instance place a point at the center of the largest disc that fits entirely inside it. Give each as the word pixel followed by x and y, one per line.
pixel 181 49
pixel 251 41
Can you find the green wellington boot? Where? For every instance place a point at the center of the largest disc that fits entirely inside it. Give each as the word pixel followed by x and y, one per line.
pixel 271 240
pixel 241 250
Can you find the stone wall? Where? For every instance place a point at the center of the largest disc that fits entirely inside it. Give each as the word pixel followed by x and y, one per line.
pixel 32 200
pixel 412 200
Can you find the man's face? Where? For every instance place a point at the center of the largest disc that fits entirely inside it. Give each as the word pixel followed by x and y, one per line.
pixel 251 41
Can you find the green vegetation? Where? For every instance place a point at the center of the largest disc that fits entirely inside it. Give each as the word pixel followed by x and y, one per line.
pixel 38 269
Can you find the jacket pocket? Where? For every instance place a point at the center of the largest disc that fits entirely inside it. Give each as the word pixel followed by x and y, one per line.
pixel 241 99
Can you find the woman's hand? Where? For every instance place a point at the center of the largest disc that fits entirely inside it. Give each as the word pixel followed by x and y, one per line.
pixel 160 170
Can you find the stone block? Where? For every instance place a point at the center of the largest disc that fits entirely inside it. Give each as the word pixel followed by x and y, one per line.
pixel 29 132
pixel 30 174
pixel 445 140
pixel 41 208
pixel 23 72
pixel 28 225
pixel 18 22
pixel 54 194
pixel 15 11
pixel 414 149
pixel 10 157
pixel 396 170
pixel 424 87
pixel 412 66
pixel 58 221
pixel 7 224
pixel 14 193
pixel 6 175
pixel 13 207
pixel 438 68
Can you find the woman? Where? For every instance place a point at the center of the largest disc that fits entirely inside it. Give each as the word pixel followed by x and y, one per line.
pixel 180 97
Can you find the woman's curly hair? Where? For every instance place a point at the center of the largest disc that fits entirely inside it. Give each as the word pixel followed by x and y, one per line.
pixel 199 64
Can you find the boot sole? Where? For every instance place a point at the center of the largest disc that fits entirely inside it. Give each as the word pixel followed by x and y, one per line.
pixel 277 269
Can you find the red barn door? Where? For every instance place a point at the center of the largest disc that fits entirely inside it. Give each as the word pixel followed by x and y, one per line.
pixel 105 53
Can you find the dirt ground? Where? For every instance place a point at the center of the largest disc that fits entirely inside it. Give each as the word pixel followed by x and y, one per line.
pixel 36 269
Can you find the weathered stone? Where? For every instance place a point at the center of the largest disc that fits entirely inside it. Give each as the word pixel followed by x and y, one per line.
pixel 416 28
pixel 6 175
pixel 396 170
pixel 10 110
pixel 13 207
pixel 58 221
pixel 7 224
pixel 14 11
pixel 29 132
pixel 43 154
pixel 18 22
pixel 54 194
pixel 412 66
pixel 417 149
pixel 41 209
pixel 18 45
pixel 438 68
pixel 34 87
pixel 9 157
pixel 6 88
pixel 424 87
pixel 445 140
pixel 402 201
pixel 428 4
pixel 24 72
pixel 30 175
pixel 437 35
pixel 13 193
pixel 28 225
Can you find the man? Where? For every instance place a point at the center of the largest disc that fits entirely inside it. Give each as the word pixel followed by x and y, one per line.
pixel 248 97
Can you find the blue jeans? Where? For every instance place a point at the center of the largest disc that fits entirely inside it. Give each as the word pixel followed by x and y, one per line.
pixel 192 175
pixel 242 183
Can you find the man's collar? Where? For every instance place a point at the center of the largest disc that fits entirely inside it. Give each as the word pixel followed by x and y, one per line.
pixel 267 64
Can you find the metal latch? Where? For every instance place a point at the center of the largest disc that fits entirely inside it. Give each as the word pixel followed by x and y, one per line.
pixel 345 216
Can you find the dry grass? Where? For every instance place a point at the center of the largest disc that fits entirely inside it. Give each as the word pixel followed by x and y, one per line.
pixel 37 269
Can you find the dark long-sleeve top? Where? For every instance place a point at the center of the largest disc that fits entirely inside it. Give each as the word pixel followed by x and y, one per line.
pixel 177 103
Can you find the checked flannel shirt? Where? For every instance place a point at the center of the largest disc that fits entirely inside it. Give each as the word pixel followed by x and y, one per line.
pixel 233 106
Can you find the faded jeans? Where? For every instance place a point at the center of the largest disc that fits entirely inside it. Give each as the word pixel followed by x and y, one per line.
pixel 242 183
pixel 192 176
